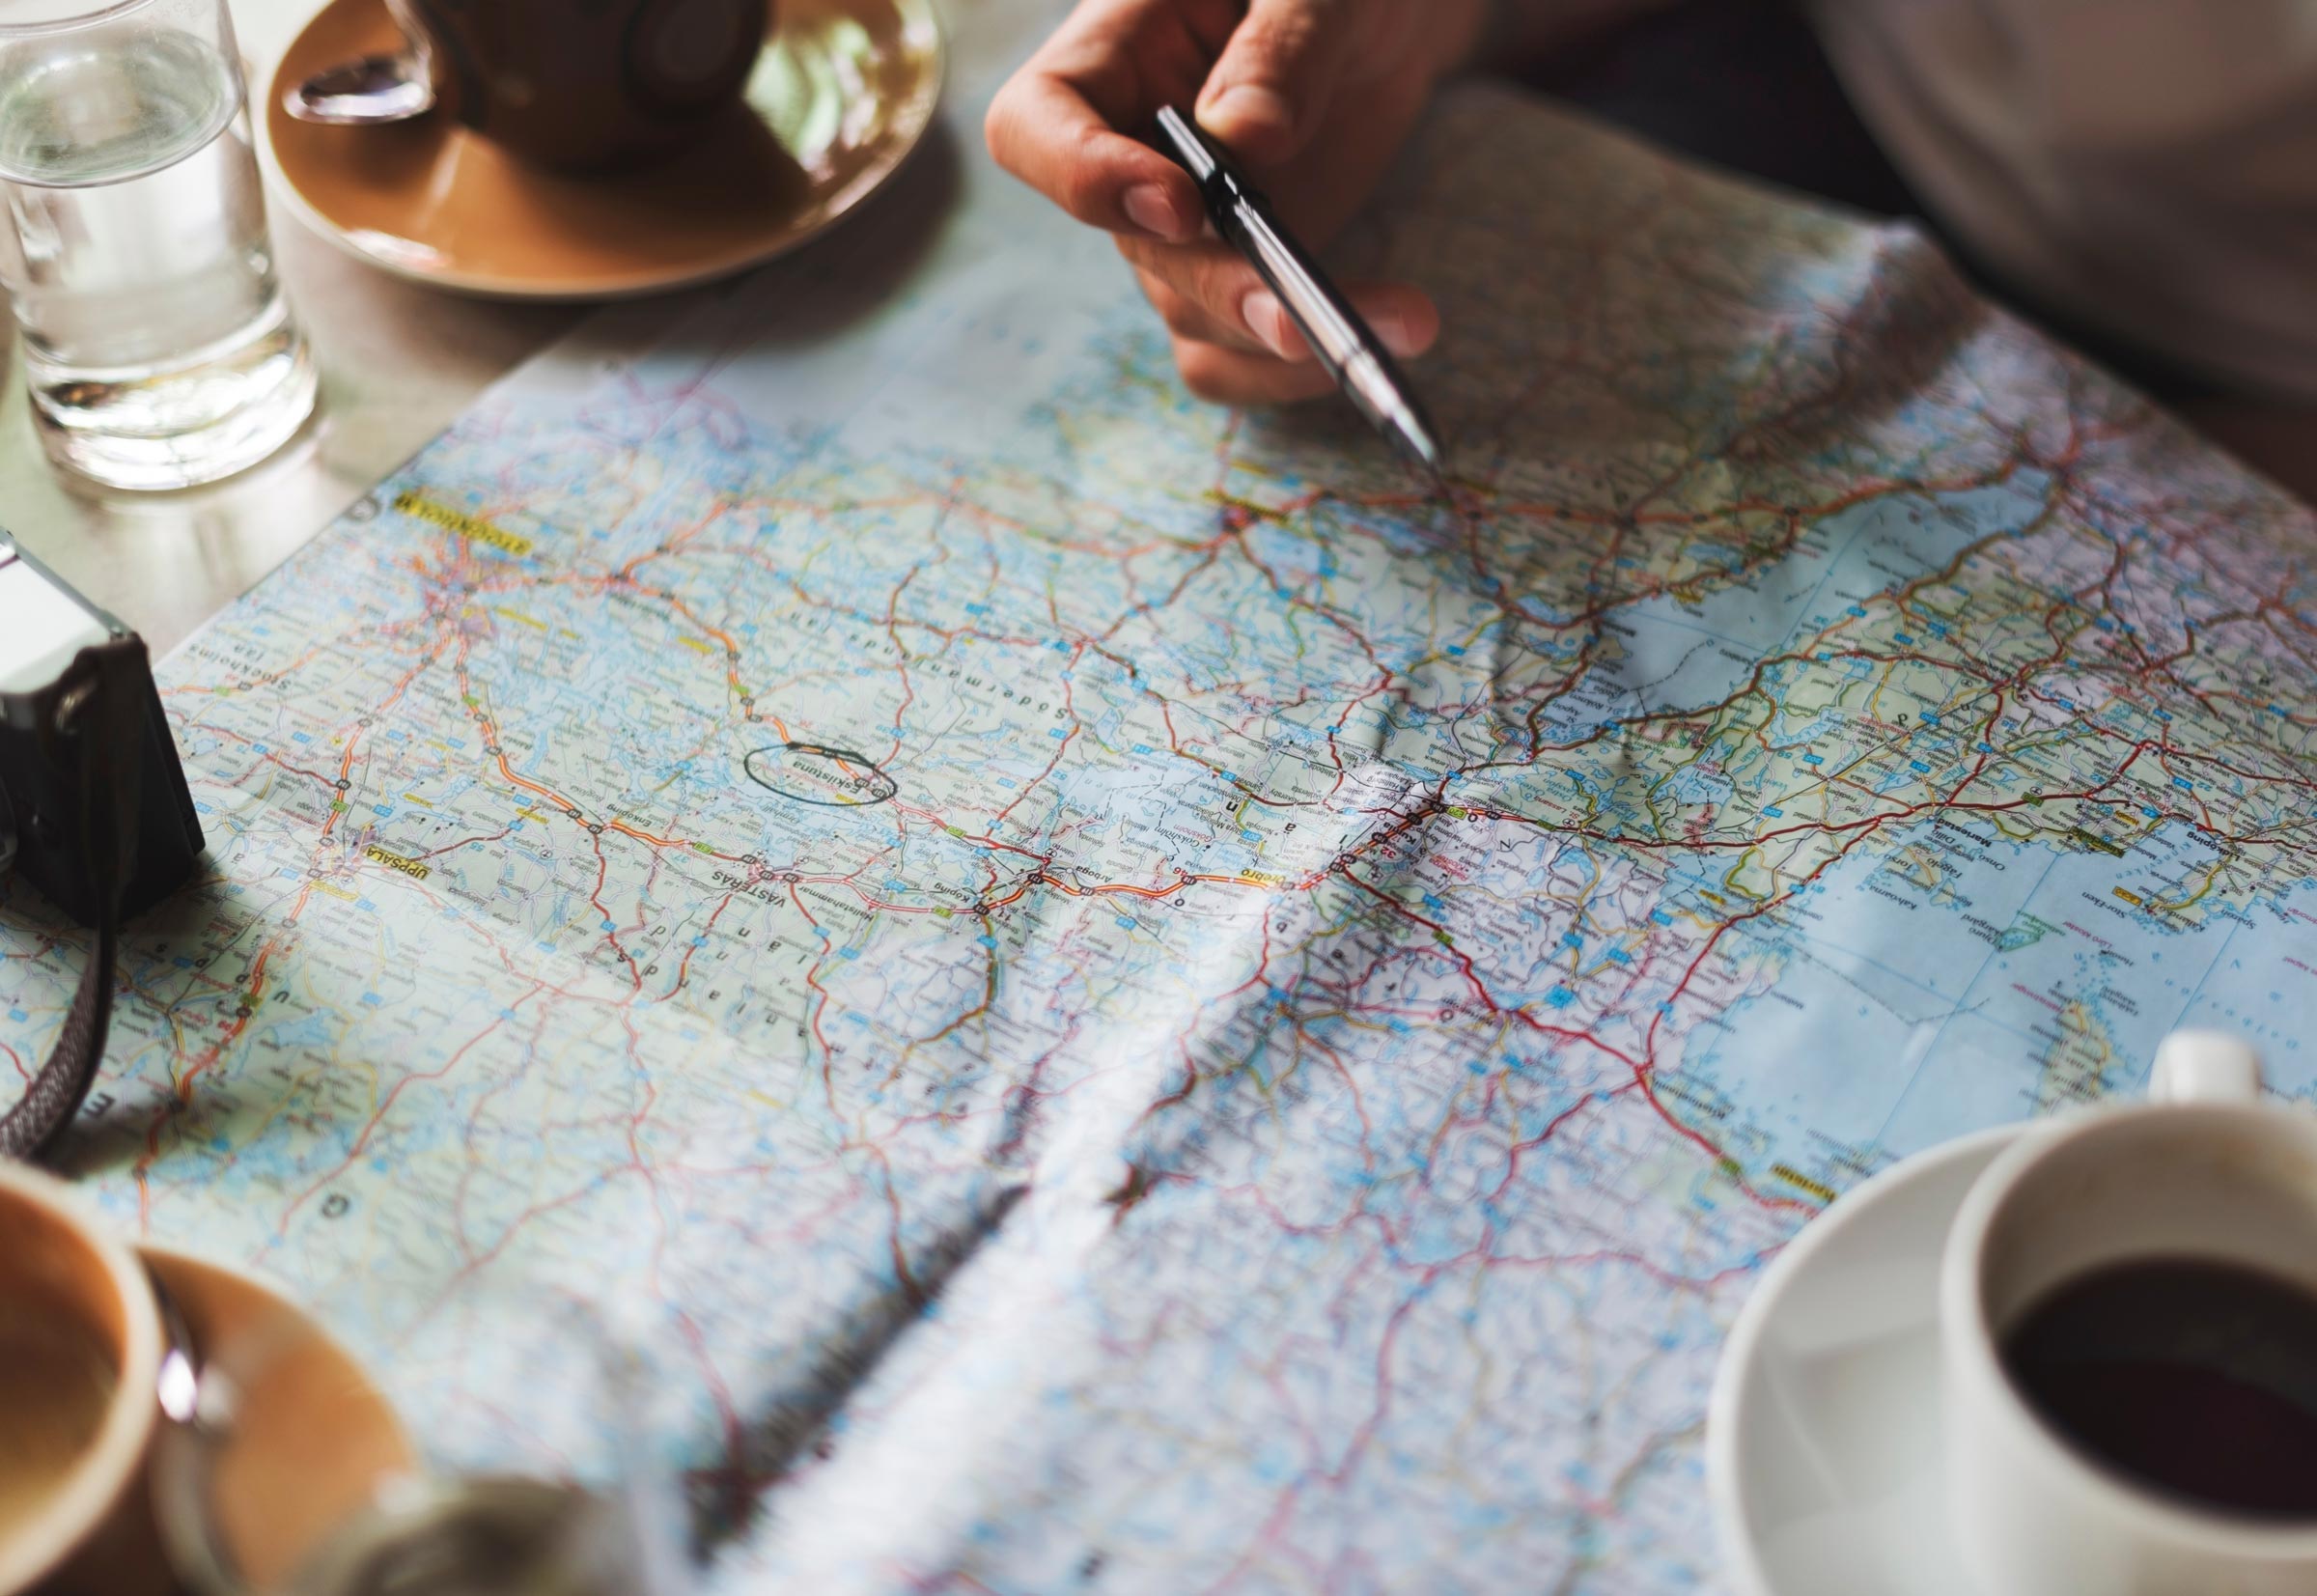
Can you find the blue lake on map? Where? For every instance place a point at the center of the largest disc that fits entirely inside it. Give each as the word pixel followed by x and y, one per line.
pixel 1890 1029
pixel 1672 661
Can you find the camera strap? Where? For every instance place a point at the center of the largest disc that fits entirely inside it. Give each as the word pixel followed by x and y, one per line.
pixel 88 721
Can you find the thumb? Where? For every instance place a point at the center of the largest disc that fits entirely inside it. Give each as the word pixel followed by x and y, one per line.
pixel 1271 89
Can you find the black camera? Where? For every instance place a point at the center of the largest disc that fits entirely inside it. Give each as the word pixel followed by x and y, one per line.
pixel 94 810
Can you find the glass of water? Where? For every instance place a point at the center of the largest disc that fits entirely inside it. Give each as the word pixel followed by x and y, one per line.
pixel 157 344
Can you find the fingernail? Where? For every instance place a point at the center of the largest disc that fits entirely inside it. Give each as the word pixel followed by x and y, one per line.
pixel 1397 335
pixel 1149 209
pixel 1267 318
pixel 1247 106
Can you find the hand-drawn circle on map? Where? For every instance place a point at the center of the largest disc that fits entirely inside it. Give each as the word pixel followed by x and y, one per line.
pixel 812 772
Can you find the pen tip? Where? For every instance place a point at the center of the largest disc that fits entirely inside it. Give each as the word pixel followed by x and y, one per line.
pixel 1424 451
pixel 1417 432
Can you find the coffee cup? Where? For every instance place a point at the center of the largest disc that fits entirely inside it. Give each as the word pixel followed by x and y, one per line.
pixel 2128 1317
pixel 586 83
pixel 81 1346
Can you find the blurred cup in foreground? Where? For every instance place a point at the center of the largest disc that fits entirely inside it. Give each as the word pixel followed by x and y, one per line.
pixel 80 1356
pixel 530 1470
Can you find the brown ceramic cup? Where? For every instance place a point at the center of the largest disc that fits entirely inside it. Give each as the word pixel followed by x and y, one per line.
pixel 576 84
pixel 81 1345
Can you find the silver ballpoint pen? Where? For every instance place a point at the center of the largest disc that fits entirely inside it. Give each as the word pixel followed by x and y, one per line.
pixel 1344 343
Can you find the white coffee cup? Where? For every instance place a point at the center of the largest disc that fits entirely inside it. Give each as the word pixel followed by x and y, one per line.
pixel 2202 1170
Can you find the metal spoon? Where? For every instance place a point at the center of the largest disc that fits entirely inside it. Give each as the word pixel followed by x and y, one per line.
pixel 178 1387
pixel 375 89
pixel 199 1406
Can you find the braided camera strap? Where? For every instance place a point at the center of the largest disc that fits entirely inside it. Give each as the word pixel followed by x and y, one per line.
pixel 95 734
pixel 38 1120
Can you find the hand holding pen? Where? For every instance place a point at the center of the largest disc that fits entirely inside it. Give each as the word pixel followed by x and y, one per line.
pixel 1354 356
pixel 1315 97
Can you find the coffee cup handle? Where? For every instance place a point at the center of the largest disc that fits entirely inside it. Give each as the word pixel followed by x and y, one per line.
pixel 2205 1066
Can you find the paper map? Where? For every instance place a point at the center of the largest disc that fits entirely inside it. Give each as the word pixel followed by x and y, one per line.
pixel 1134 1005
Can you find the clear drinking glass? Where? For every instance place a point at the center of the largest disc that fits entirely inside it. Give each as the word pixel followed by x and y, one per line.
pixel 157 344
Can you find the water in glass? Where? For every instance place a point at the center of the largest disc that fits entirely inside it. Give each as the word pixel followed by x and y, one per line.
pixel 157 341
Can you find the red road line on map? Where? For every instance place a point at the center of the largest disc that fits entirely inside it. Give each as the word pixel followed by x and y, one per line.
pixel 386 1107
pixel 353 739
pixel 1792 518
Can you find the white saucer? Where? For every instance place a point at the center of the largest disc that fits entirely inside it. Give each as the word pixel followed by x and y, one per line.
pixel 1823 1449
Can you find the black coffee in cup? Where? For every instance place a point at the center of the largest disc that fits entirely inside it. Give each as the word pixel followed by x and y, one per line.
pixel 583 83
pixel 2192 1377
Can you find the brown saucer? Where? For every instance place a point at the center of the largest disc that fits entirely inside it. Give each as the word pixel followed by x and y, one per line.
pixel 843 93
pixel 312 1437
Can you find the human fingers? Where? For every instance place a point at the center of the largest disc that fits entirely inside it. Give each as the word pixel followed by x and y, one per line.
pixel 1271 87
pixel 1263 326
pixel 1054 125
pixel 1185 318
pixel 1218 363
pixel 1207 289
pixel 1402 316
pixel 1223 375
pixel 1200 288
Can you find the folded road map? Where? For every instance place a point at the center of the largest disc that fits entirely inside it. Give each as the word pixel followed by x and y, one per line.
pixel 1123 997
